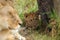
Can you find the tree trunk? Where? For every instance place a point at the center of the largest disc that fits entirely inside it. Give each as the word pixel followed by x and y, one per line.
pixel 57 6
pixel 45 7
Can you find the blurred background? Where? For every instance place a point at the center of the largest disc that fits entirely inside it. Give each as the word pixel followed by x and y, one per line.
pixel 48 13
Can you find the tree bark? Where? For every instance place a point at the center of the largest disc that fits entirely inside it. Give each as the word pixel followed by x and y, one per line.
pixel 57 6
pixel 45 7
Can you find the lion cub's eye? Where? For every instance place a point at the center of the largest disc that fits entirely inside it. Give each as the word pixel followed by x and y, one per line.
pixel 10 13
pixel 5 0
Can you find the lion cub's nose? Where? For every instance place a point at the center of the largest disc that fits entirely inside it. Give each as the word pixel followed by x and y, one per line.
pixel 20 23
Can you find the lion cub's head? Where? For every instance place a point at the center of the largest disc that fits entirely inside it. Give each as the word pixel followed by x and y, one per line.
pixel 9 18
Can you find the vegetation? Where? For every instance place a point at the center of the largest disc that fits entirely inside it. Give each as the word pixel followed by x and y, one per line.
pixel 27 6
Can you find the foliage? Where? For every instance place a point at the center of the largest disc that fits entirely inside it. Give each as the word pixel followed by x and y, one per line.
pixel 25 6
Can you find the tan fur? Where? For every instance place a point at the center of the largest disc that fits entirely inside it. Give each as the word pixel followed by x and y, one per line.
pixel 5 34
pixel 9 21
pixel 11 15
pixel 6 2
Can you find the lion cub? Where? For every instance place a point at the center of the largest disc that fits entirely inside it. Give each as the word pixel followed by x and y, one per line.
pixel 9 24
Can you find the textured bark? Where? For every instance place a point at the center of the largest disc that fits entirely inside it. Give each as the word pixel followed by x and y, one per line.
pixel 45 5
pixel 45 8
pixel 57 6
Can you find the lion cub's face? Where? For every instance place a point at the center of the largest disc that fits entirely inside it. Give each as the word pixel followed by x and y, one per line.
pixel 10 17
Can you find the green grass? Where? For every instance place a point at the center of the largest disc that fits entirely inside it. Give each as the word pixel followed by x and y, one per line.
pixel 25 6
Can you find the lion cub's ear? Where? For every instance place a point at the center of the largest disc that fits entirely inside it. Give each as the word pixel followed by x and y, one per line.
pixel 7 2
pixel 1 5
